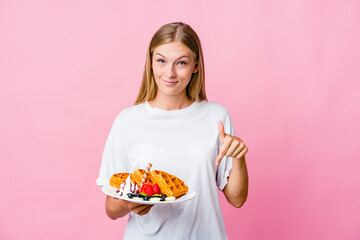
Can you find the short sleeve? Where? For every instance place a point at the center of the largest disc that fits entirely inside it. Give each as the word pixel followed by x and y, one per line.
pixel 224 168
pixel 114 159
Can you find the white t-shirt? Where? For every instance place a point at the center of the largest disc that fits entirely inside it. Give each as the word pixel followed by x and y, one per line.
pixel 184 143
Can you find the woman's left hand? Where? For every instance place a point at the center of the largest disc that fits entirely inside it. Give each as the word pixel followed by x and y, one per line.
pixel 233 146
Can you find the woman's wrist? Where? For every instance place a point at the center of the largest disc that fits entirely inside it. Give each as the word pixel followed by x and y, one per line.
pixel 238 163
pixel 115 209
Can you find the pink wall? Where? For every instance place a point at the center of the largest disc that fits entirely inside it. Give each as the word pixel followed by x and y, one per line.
pixel 288 71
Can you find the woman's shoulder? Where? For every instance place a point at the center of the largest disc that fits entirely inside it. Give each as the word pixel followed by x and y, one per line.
pixel 214 106
pixel 130 113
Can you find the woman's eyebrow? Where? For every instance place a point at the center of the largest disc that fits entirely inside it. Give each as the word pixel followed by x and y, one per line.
pixel 176 59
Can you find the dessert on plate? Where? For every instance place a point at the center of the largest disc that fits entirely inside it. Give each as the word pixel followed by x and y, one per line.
pixel 149 186
pixel 117 179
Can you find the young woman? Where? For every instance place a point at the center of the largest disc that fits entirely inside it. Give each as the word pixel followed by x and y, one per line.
pixel 174 127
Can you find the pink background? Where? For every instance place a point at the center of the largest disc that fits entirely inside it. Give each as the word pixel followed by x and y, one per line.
pixel 288 72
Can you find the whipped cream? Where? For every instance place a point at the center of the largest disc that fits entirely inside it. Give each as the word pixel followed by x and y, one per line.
pixel 154 199
pixel 127 187
pixel 170 199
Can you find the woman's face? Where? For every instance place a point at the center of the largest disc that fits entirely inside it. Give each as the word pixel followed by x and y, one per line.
pixel 173 65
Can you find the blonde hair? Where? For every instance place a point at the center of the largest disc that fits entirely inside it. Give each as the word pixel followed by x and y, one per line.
pixel 171 32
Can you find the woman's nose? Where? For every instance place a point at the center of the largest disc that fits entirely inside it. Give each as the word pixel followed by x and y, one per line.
pixel 170 72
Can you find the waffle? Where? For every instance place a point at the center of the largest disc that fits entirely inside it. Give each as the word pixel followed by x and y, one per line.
pixel 169 184
pixel 117 179
pixel 137 175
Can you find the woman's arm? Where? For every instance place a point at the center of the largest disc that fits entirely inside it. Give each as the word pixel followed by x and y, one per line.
pixel 118 208
pixel 236 189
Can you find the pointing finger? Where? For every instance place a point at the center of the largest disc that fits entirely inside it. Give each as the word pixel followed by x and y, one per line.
pixel 218 159
pixel 223 151
pixel 221 131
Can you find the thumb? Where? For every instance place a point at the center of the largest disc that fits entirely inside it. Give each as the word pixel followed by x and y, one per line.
pixel 221 131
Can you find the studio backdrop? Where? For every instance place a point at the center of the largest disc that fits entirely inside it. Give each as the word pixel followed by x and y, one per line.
pixel 287 71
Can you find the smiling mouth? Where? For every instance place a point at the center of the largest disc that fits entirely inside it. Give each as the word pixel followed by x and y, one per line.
pixel 170 82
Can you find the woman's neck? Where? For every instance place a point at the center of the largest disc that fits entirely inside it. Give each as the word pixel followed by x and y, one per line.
pixel 170 102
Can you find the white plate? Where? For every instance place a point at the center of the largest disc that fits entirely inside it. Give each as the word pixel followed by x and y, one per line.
pixel 111 191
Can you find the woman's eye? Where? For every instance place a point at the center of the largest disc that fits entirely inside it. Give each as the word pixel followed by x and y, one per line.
pixel 160 61
pixel 182 63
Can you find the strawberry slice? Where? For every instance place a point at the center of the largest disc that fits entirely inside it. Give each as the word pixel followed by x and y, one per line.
pixel 149 190
pixel 156 188
pixel 143 187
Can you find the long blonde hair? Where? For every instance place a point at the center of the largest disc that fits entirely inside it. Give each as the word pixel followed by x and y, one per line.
pixel 183 33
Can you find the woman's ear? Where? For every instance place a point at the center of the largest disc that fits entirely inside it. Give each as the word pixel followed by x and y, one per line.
pixel 196 69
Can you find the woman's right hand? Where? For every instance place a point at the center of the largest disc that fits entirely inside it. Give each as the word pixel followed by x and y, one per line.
pixel 117 208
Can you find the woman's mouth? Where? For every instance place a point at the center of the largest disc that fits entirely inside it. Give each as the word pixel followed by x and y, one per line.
pixel 170 83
